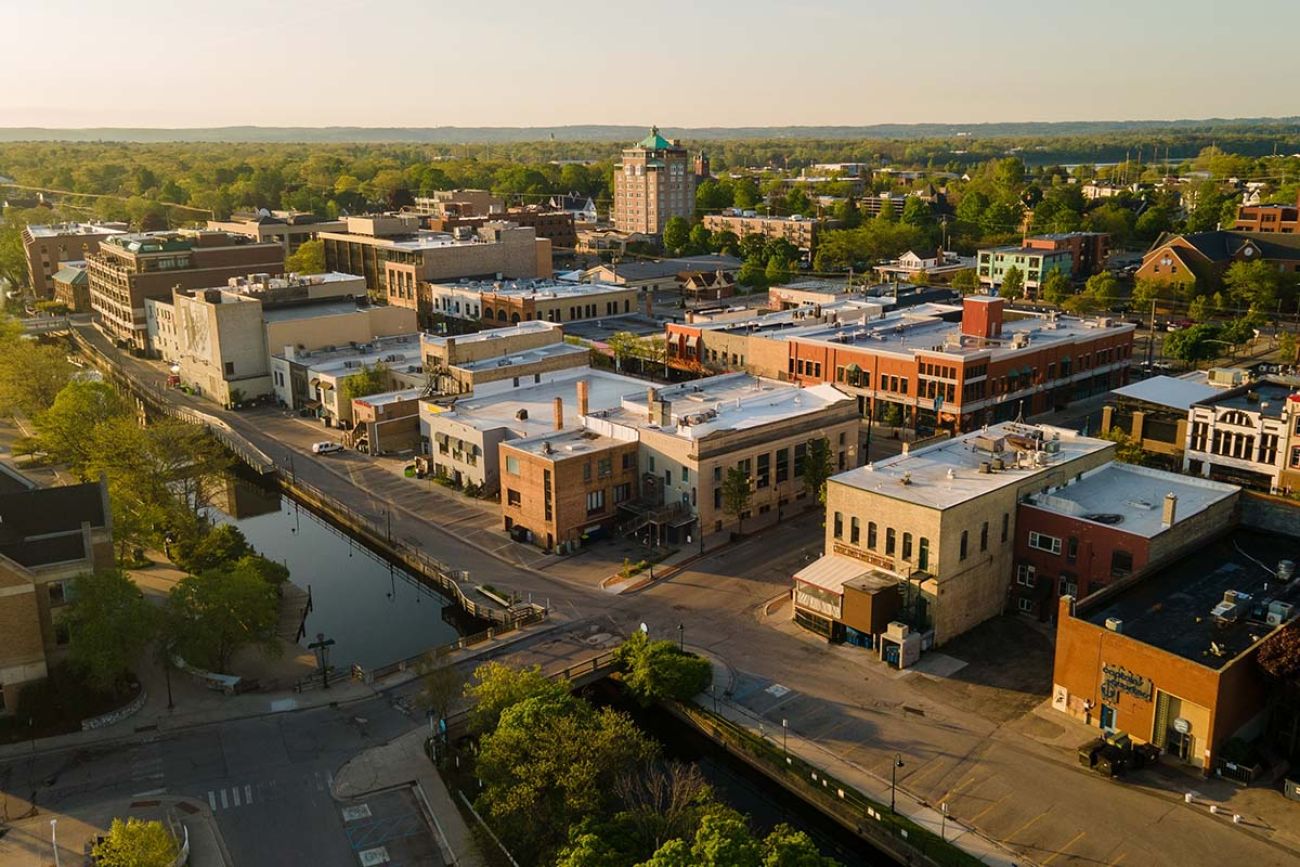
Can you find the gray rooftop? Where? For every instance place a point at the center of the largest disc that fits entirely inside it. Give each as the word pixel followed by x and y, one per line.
pixel 600 330
pixel 1170 391
pixel 1266 397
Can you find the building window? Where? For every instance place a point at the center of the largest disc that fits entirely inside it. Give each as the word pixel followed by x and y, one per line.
pixel 622 492
pixel 800 452
pixel 230 368
pixel 1025 605
pixel 964 545
pixel 628 460
pixel 512 465
pixel 512 497
pixel 890 542
pixel 855 529
pixel 1121 564
pixel 839 525
pixel 1006 520
pixel 1072 549
pixel 907 546
pixel 595 502
pixel 605 467
pixel 586 471
pixel 1069 588
pixel 717 474
pixel 871 535
pixel 1042 542
pixel 58 592
pixel 984 536
pixel 923 555
pixel 783 465
pixel 1025 575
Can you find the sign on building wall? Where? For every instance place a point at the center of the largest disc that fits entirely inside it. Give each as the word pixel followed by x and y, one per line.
pixel 1116 679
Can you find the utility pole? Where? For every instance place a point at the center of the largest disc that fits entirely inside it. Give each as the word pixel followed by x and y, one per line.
pixel 1151 333
pixel 322 647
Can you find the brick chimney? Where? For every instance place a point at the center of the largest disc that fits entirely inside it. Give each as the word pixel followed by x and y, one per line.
pixel 1170 511
pixel 651 398
pixel 649 303
pixel 450 345
pixel 559 413
pixel 981 316
pixel 582 397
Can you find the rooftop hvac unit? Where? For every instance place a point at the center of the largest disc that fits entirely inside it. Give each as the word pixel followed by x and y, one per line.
pixel 1279 613
pixel 1115 624
pixel 1225 611
pixel 1285 570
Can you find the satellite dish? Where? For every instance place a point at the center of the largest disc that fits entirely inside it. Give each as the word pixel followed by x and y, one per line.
pixel 645 629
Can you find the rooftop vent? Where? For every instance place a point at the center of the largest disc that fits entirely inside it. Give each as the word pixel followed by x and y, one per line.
pixel 1115 624
pixel 906 479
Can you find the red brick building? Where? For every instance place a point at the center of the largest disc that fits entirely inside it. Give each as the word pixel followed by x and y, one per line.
pixel 1284 219
pixel 1088 250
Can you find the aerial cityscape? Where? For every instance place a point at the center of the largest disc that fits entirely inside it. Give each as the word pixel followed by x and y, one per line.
pixel 822 458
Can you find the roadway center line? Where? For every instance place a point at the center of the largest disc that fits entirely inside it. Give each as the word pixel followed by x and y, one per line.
pixel 248 794
pixel 224 803
pixel 234 793
pixel 212 800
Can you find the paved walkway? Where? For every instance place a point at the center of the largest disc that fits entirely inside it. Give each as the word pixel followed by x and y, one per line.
pixel 402 762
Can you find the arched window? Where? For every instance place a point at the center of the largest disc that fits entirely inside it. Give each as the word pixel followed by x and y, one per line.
pixel 501 316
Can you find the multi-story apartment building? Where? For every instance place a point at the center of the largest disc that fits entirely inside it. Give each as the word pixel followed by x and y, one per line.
pixel 398 259
pixel 48 536
pixel 1088 250
pixel 917 366
pixel 464 363
pixel 47 247
pixel 1242 435
pixel 286 228
pixel 803 232
pixel 128 269
pixel 497 303
pixel 939 523
pixel 1283 219
pixel 459 203
pixel 1033 263
pixel 222 339
pixel 317 380
pixel 654 183
pixel 1110 524
pixel 555 226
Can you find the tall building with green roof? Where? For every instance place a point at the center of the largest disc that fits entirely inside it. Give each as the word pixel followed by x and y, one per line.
pixel 654 183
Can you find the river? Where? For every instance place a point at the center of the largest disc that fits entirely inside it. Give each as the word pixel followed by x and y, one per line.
pixel 375 612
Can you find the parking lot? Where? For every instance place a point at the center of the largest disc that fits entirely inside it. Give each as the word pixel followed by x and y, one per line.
pixel 388 828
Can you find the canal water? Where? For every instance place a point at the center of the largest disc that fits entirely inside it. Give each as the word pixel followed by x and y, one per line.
pixel 741 787
pixel 376 612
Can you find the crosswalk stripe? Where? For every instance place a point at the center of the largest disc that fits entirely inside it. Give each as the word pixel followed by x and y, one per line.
pixel 234 793
pixel 212 800
pixel 224 802
pixel 248 794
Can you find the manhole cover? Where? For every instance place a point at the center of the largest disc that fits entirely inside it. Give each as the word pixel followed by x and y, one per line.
pixel 371 857
pixel 355 812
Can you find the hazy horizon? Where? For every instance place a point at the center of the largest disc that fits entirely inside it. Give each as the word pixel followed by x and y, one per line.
pixel 410 64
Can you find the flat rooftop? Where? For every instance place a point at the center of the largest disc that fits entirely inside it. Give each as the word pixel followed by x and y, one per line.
pixel 602 329
pixel 1170 391
pixel 500 409
pixel 387 397
pixel 1131 498
pixel 539 289
pixel 54 230
pixel 410 242
pixel 567 443
pixel 732 401
pixel 531 326
pixel 948 473
pixel 1171 609
pixel 1265 397
pixel 400 350
pixel 310 309
pixel 526 356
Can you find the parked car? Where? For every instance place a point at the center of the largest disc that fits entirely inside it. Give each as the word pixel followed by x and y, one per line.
pixel 325 448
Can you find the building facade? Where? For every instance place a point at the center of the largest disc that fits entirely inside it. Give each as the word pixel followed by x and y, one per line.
pixel 1242 435
pixel 72 287
pixel 801 231
pixel 1200 258
pixel 47 247
pixel 287 228
pixel 1283 219
pixel 654 183
pixel 1034 264
pixel 128 269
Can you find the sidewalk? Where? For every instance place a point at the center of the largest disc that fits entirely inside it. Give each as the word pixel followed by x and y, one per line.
pixel 864 781
pixel 402 762
pixel 30 841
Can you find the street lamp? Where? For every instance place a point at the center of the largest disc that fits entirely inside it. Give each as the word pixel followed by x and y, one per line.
pixel 322 647
pixel 54 840
pixel 893 781
pixel 785 733
pixel 943 823
pixel 681 637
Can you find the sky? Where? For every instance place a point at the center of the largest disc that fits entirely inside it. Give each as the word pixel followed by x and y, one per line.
pixel 676 63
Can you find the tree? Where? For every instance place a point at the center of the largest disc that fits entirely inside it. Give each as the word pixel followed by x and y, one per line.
pixel 677 234
pixel 1286 347
pixel 1013 284
pixel 777 271
pixel 744 193
pixel 752 274
pixel 31 375
pixel 62 430
pixel 1198 309
pixel 917 212
pixel 1056 287
pixel 211 616
pixel 966 281
pixel 818 466
pixel 1279 656
pixel 724 840
pixel 371 379
pixel 440 685
pixel 624 345
pixel 13 258
pixel 1147 291
pixel 1127 449
pixel 136 843
pixel 220 546
pixel 657 671
pixel 494 687
pixel 736 495
pixel 109 623
pixel 786 847
pixel 1192 344
pixel 1104 289
pixel 701 239
pixel 307 259
pixel 1253 284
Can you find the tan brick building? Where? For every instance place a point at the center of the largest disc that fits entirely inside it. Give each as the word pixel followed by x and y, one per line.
pixel 72 287
pixel 128 269
pixel 460 364
pixel 48 536
pixel 47 247
pixel 942 519
pixel 287 228
pixel 801 231
pixel 654 182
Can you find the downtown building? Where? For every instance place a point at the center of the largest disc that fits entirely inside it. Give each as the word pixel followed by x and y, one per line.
pixel 654 183
pixel 129 269
pixel 289 229
pixel 48 247
pixel 801 231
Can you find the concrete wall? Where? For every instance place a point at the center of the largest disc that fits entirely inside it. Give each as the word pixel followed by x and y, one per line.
pixel 339 329
pixel 1279 515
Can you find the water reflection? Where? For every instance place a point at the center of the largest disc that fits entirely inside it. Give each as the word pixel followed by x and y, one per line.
pixel 375 613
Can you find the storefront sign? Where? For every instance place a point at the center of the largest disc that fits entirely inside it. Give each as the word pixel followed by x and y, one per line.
pixel 1182 726
pixel 1116 679
pixel 865 556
